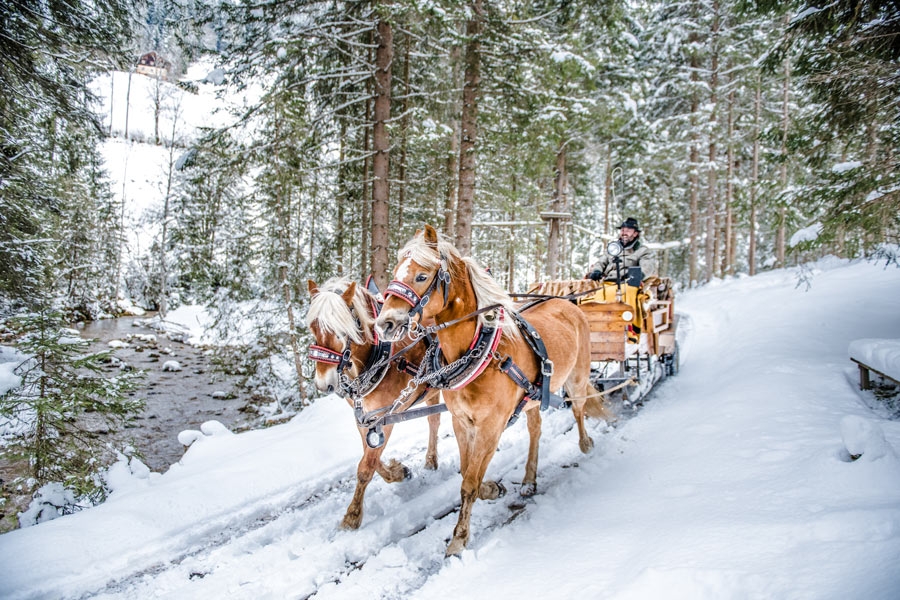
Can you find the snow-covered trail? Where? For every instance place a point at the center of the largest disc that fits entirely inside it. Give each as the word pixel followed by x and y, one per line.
pixel 298 552
pixel 732 482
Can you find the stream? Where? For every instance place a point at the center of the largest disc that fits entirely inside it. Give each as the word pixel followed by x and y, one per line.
pixel 174 400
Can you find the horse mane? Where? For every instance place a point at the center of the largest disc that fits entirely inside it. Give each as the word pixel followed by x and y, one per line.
pixel 334 316
pixel 487 290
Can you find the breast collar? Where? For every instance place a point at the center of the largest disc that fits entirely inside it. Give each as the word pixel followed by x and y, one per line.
pixel 470 365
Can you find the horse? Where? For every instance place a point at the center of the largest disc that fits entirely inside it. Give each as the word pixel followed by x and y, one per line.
pixel 432 281
pixel 341 316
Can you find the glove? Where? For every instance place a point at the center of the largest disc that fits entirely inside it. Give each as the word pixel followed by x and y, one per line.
pixel 596 275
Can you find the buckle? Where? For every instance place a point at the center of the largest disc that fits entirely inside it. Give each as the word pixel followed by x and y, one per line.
pixel 547 368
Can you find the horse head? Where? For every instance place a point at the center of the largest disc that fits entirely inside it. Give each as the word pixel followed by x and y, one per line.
pixel 340 320
pixel 434 283
pixel 421 284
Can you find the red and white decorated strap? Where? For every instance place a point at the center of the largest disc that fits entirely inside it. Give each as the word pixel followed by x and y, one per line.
pixel 403 291
pixel 325 355
pixel 486 358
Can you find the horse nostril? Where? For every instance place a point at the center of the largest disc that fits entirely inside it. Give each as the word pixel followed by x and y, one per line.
pixel 330 389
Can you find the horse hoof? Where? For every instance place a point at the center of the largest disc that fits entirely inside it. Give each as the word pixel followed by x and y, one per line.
pixel 455 547
pixel 501 489
pixel 431 464
pixel 586 445
pixel 407 473
pixel 528 490
pixel 351 524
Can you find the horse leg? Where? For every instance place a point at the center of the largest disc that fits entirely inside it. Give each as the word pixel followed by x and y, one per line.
pixel 482 441
pixel 364 472
pixel 585 443
pixel 393 471
pixel 529 483
pixel 434 422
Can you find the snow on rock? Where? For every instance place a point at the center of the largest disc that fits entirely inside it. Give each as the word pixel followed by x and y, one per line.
pixel 189 436
pixel 48 504
pixel 171 365
pixel 117 344
pixel 864 439
pixel 883 355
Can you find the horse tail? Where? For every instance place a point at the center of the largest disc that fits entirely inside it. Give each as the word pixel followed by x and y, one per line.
pixel 596 408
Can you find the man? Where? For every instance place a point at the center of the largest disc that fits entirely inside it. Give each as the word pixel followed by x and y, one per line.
pixel 636 254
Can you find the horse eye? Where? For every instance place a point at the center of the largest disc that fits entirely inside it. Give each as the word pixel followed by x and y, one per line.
pixel 421 277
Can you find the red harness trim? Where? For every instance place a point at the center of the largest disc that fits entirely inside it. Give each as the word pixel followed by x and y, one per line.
pixel 324 355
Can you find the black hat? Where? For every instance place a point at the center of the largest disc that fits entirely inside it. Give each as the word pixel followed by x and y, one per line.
pixel 631 223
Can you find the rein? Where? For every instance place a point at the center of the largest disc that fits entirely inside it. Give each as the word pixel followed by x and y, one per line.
pixel 572 296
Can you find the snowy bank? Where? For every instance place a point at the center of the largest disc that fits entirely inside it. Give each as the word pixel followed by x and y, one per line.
pixel 757 472
pixel 883 355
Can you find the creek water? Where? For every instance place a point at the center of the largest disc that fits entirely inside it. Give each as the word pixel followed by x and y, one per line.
pixel 173 400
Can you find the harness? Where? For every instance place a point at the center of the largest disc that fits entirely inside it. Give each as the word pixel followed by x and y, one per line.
pixel 376 367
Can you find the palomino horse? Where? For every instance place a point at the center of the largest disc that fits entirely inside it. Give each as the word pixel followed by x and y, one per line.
pixel 341 316
pixel 443 286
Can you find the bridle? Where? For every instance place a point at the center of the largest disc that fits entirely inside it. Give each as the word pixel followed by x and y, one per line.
pixel 417 303
pixel 372 372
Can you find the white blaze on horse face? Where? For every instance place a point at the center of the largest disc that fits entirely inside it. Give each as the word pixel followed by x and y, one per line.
pixel 403 269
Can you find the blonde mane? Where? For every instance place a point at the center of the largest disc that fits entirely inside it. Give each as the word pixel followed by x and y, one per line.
pixel 487 290
pixel 334 316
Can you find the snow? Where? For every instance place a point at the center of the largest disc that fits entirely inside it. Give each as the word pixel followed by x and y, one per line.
pixel 846 166
pixel 171 365
pixel 807 234
pixel 10 358
pixel 757 472
pixel 883 355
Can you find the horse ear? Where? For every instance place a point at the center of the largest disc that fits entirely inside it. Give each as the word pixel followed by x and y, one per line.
pixel 430 236
pixel 312 287
pixel 348 295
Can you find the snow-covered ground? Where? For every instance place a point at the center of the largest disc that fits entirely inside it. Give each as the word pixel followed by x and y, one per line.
pixel 734 481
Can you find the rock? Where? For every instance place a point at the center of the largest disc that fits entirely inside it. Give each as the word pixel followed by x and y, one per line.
pixel 171 365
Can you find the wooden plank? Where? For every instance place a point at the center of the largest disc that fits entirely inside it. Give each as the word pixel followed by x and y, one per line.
pixel 603 326
pixel 606 338
pixel 864 374
pixel 610 354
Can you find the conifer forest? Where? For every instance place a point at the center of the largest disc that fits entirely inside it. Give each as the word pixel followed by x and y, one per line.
pixel 742 135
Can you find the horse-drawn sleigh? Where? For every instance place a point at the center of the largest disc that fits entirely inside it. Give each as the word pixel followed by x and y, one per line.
pixel 445 325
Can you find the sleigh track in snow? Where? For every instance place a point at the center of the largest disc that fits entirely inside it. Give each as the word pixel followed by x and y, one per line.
pixel 441 497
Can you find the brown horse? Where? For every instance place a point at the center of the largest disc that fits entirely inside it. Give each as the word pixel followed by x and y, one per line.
pixel 341 316
pixel 449 289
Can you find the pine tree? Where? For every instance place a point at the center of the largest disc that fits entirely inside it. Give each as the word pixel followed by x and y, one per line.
pixel 47 54
pixel 52 415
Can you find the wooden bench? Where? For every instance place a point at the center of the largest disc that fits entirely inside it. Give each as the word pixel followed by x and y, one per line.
pixel 864 380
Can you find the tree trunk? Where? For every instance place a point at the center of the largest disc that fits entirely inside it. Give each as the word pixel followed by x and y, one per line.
pixel 711 182
pixel 607 189
pixel 384 56
pixel 366 208
pixel 469 130
pixel 754 176
pixel 452 166
pixel 558 205
pixel 728 251
pixel 785 121
pixel 404 133
pixel 694 183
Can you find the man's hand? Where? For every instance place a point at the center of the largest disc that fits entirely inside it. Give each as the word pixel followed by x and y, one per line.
pixel 596 275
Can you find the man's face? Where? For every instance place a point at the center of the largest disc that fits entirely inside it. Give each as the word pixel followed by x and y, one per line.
pixel 627 234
